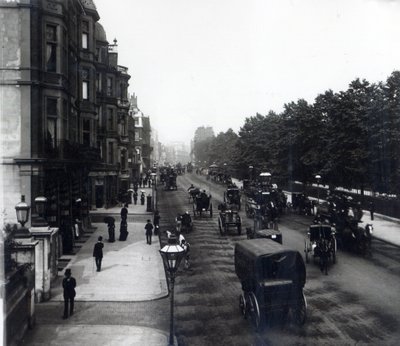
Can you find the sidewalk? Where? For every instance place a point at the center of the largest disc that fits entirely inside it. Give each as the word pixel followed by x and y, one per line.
pixel 386 228
pixel 132 271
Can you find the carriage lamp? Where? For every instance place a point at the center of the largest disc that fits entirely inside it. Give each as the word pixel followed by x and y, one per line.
pixel 40 206
pixel 22 210
pixel 172 255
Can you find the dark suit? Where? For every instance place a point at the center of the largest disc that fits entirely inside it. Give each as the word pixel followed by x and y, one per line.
pixel 69 285
pixel 149 232
pixel 98 254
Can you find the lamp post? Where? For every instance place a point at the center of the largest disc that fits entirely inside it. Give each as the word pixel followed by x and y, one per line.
pixel 154 189
pixel 172 254
pixel 40 206
pixel 318 177
pixel 22 211
pixel 251 172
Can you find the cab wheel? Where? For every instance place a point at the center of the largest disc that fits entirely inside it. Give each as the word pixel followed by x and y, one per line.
pixel 300 311
pixel 255 313
pixel 243 305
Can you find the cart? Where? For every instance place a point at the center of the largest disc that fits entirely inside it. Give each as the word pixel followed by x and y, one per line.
pixel 272 278
pixel 321 243
pixel 227 219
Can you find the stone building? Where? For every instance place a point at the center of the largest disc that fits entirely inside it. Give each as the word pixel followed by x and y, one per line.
pixel 64 109
pixel 142 161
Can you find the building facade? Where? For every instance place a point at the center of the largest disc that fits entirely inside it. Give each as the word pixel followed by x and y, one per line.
pixel 64 110
pixel 142 161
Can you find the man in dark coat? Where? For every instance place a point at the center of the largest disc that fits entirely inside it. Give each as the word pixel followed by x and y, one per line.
pixel 69 284
pixel 124 212
pixel 98 252
pixel 149 231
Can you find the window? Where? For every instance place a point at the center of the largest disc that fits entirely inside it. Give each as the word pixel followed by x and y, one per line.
pixel 64 64
pixel 85 35
pixel 109 86
pixel 73 126
pixel 137 136
pixel 110 119
pixel 124 129
pixel 98 82
pixel 65 119
pixel 52 113
pixel 86 132
pixel 51 48
pixel 123 160
pixel 110 152
pixel 85 84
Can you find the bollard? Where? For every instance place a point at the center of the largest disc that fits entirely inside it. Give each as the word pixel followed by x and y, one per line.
pixel 148 202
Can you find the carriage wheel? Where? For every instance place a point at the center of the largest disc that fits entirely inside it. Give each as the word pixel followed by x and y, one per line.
pixel 220 226
pixel 334 249
pixel 194 211
pixel 243 305
pixel 254 311
pixel 306 252
pixel 300 311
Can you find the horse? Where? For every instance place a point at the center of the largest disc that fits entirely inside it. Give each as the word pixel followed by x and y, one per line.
pixel 358 238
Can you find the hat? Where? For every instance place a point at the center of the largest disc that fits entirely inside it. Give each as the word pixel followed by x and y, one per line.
pixel 67 271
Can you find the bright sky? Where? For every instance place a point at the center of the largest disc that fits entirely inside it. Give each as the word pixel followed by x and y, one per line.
pixel 216 62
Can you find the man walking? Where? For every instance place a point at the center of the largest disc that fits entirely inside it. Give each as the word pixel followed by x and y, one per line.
pixel 69 284
pixel 149 231
pixel 98 252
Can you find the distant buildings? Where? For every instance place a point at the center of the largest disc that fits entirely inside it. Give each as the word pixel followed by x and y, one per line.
pixel 201 134
pixel 142 154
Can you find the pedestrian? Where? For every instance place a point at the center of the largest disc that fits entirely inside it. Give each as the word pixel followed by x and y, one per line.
pixel 98 252
pixel 149 181
pixel 142 196
pixel 372 209
pixel 124 212
pixel 149 231
pixel 156 222
pixel 69 284
pixel 135 197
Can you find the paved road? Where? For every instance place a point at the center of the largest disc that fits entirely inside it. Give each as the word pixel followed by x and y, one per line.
pixel 357 303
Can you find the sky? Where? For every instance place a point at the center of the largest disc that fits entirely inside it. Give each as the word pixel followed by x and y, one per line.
pixel 216 62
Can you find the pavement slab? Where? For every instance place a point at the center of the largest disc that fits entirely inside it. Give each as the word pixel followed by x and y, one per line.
pixel 131 270
pixel 104 335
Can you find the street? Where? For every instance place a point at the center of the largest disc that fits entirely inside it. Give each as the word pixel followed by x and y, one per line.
pixel 356 303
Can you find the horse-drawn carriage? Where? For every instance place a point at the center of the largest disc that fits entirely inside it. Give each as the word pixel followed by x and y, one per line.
pixel 262 207
pixel 184 223
pixel 228 218
pixel 321 243
pixel 202 204
pixel 232 197
pixel 272 279
pixel 193 192
pixel 170 182
pixel 342 212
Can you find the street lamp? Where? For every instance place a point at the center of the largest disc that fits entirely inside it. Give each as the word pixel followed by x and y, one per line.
pixel 251 173
pixel 22 211
pixel 40 206
pixel 172 255
pixel 318 177
pixel 154 189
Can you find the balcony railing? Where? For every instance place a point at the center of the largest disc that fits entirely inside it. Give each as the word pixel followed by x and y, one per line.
pixel 71 151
